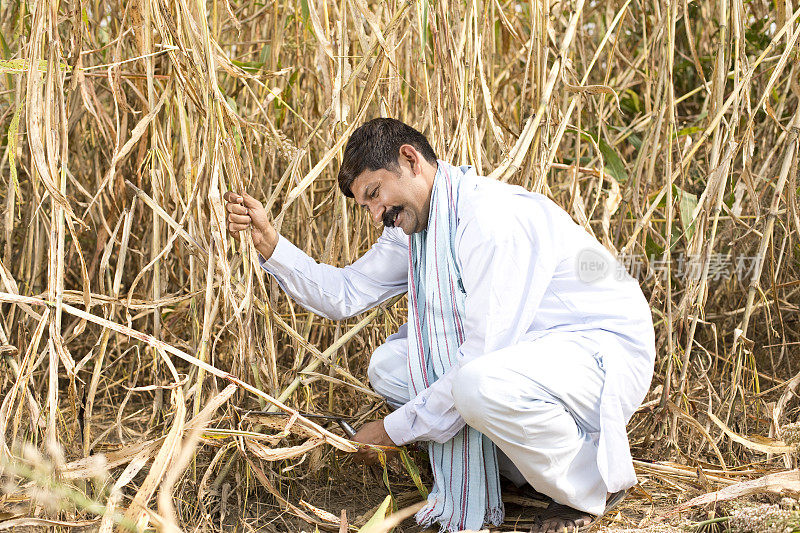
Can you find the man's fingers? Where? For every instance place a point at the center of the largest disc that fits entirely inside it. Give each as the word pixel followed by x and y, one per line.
pixel 234 227
pixel 234 233
pixel 250 202
pixel 369 455
pixel 231 196
pixel 239 209
pixel 366 456
pixel 239 219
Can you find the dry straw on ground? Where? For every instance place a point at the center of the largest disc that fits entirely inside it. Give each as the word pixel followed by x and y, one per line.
pixel 131 324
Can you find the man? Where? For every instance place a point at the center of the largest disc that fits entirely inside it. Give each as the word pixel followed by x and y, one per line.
pixel 523 355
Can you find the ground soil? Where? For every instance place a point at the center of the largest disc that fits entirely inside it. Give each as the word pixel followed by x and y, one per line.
pixel 331 482
pixel 360 490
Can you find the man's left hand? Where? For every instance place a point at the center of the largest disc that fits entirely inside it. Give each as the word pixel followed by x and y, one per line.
pixel 372 433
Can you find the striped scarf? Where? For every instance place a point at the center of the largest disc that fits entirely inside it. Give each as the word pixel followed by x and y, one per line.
pixel 466 490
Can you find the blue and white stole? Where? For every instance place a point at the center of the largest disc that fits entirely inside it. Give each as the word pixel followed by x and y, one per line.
pixel 466 490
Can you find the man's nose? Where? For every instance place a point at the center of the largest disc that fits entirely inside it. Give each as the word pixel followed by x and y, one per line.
pixel 377 214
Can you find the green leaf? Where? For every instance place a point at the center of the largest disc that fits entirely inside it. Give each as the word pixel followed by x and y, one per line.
pixel 18 66
pixel 688 131
pixel 306 13
pixel 652 248
pixel 687 202
pixel 384 465
pixel 413 471
pixel 378 517
pixel 249 66
pixel 633 139
pixel 4 44
pixel 613 162
pixel 630 101
pixel 424 21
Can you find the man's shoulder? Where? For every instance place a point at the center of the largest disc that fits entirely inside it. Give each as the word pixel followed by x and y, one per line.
pixel 488 200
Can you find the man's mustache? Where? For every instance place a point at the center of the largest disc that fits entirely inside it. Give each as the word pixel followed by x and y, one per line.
pixel 389 216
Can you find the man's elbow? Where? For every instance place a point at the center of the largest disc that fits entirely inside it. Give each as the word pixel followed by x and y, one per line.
pixel 337 313
pixel 440 439
pixel 445 434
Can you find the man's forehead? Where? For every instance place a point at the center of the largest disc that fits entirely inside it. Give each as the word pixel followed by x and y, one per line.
pixel 364 180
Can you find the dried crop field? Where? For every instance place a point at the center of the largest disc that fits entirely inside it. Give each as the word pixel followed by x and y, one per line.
pixel 135 334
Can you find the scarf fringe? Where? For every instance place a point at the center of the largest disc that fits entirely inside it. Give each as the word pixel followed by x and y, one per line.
pixel 425 519
pixel 494 516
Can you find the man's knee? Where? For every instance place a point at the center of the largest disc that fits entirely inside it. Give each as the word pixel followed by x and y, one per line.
pixel 486 395
pixel 388 372
pixel 476 393
pixel 380 367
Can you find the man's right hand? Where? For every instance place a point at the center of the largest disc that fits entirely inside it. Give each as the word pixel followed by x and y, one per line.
pixel 244 212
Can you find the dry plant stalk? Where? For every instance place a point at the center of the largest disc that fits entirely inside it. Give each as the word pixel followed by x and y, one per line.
pixel 130 320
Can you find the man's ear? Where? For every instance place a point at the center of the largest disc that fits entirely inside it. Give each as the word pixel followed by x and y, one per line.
pixel 411 155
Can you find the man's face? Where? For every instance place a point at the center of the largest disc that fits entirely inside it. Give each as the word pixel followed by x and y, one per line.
pixel 396 198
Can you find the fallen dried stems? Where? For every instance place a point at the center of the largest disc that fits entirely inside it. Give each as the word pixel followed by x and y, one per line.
pixel 668 129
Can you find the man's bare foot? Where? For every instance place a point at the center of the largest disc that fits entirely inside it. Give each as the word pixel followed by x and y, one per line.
pixel 559 518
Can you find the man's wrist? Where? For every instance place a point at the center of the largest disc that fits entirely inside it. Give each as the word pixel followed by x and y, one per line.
pixel 266 249
pixel 386 433
pixel 396 426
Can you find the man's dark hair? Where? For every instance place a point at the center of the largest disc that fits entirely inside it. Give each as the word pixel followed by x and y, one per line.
pixel 376 145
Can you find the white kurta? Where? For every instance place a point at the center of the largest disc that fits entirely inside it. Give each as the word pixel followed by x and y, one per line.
pixel 528 272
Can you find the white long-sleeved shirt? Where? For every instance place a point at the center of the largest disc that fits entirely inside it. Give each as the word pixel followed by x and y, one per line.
pixel 527 270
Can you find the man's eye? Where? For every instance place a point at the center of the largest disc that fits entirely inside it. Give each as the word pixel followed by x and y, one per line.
pixel 374 193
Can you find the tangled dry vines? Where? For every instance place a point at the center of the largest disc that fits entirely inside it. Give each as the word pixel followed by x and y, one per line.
pixel 131 324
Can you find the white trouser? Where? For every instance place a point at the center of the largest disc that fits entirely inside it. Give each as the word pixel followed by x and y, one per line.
pixel 538 401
